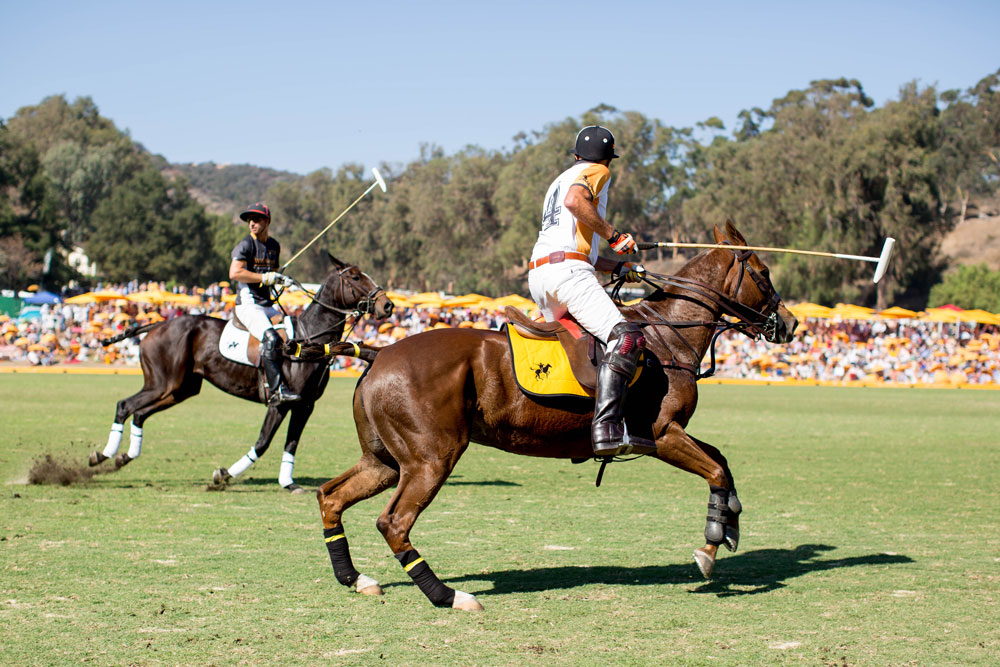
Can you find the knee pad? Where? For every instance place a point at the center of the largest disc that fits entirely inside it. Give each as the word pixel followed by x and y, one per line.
pixel 271 340
pixel 625 343
pixel 630 336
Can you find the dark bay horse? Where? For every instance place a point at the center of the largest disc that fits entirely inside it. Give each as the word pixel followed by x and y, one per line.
pixel 426 397
pixel 179 353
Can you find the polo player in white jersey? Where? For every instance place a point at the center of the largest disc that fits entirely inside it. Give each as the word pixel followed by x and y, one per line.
pixel 562 278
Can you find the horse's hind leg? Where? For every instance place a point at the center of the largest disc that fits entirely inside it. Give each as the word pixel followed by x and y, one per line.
pixel 189 387
pixel 272 420
pixel 417 487
pixel 678 448
pixel 368 477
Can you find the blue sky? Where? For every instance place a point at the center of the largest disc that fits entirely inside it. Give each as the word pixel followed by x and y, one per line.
pixel 305 85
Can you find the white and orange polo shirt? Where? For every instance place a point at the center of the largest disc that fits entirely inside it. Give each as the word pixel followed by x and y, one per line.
pixel 560 228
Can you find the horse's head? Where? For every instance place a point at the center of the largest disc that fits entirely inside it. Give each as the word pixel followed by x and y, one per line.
pixel 769 318
pixel 351 288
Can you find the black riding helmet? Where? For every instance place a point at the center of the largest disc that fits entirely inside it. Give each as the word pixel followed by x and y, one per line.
pixel 259 208
pixel 595 143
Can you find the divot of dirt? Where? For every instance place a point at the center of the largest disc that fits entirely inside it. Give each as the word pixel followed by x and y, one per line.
pixel 48 470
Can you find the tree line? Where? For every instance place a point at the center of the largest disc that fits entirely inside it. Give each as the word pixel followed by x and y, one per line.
pixel 821 168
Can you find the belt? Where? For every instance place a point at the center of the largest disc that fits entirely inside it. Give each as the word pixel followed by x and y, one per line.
pixel 556 257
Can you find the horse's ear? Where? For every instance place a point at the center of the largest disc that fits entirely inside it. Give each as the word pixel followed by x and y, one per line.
pixel 734 234
pixel 719 236
pixel 336 262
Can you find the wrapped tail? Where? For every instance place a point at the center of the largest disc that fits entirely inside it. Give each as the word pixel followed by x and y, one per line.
pixel 129 333
pixel 298 351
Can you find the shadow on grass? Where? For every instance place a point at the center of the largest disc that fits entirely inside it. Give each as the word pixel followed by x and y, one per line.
pixel 748 573
pixel 310 484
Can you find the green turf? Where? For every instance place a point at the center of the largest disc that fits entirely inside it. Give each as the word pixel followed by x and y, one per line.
pixel 867 539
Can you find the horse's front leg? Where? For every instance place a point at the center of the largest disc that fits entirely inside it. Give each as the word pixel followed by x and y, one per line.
pixel 272 420
pixel 300 415
pixel 679 449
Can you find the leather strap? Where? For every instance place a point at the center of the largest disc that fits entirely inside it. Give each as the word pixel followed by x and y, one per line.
pixel 556 257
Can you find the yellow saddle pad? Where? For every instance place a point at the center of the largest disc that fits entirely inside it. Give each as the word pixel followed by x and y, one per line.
pixel 542 368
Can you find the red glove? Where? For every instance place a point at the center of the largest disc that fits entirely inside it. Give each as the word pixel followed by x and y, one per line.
pixel 622 243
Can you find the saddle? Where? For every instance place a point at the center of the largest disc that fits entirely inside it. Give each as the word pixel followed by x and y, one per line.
pixel 237 344
pixel 554 358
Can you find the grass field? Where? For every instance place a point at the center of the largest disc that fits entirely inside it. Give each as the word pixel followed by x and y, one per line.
pixel 866 539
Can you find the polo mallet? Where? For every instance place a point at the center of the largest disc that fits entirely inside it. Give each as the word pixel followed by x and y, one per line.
pixel 378 181
pixel 882 261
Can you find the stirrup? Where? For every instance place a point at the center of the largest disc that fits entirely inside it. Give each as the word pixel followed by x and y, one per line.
pixel 283 395
pixel 635 445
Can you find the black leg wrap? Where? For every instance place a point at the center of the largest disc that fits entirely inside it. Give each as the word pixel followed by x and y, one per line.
pixel 718 515
pixel 425 579
pixel 340 555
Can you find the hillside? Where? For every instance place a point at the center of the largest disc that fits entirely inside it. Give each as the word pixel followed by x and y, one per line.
pixel 976 240
pixel 224 188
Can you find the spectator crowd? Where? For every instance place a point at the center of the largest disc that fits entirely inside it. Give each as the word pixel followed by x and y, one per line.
pixel 908 351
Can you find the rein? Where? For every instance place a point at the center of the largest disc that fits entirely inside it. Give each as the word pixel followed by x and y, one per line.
pixel 750 322
pixel 364 306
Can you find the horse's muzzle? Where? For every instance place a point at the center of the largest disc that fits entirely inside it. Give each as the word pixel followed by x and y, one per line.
pixel 383 307
pixel 781 326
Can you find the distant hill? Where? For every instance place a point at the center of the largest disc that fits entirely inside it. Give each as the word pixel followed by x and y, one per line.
pixel 976 240
pixel 225 188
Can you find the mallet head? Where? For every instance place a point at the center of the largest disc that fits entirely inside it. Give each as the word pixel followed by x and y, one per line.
pixel 883 260
pixel 378 179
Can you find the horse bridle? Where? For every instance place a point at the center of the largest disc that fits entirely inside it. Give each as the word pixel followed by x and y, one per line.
pixel 766 324
pixel 364 306
pixel 751 322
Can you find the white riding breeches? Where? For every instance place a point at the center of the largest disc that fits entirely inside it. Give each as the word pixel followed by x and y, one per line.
pixel 257 319
pixel 572 287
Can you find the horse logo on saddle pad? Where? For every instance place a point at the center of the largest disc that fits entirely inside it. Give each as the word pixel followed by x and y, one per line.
pixel 554 358
pixel 236 343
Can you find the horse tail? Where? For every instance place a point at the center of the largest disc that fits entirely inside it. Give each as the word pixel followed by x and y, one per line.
pixel 129 333
pixel 315 351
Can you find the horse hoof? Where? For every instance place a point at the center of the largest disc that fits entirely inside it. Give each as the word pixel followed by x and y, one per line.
pixel 705 562
pixel 466 602
pixel 221 477
pixel 732 539
pixel 365 585
pixel 121 460
pixel 294 489
pixel 96 458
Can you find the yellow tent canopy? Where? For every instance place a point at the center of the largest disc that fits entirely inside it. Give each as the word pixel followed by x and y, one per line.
pixel 181 299
pixel 146 296
pixel 463 300
pixel 426 297
pixel 946 315
pixel 806 310
pixel 980 317
pixel 898 313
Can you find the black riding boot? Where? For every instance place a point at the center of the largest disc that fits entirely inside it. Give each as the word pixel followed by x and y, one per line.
pixel 278 391
pixel 617 369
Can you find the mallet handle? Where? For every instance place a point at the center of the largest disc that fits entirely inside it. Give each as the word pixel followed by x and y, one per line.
pixel 325 229
pixel 666 244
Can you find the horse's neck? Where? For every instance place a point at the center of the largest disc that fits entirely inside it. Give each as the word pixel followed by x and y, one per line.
pixel 316 319
pixel 683 305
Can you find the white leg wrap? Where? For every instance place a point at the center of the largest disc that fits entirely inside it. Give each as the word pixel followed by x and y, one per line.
pixel 245 462
pixel 287 465
pixel 114 440
pixel 135 442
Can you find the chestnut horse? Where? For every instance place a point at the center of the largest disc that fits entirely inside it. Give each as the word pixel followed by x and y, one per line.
pixel 181 352
pixel 424 398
